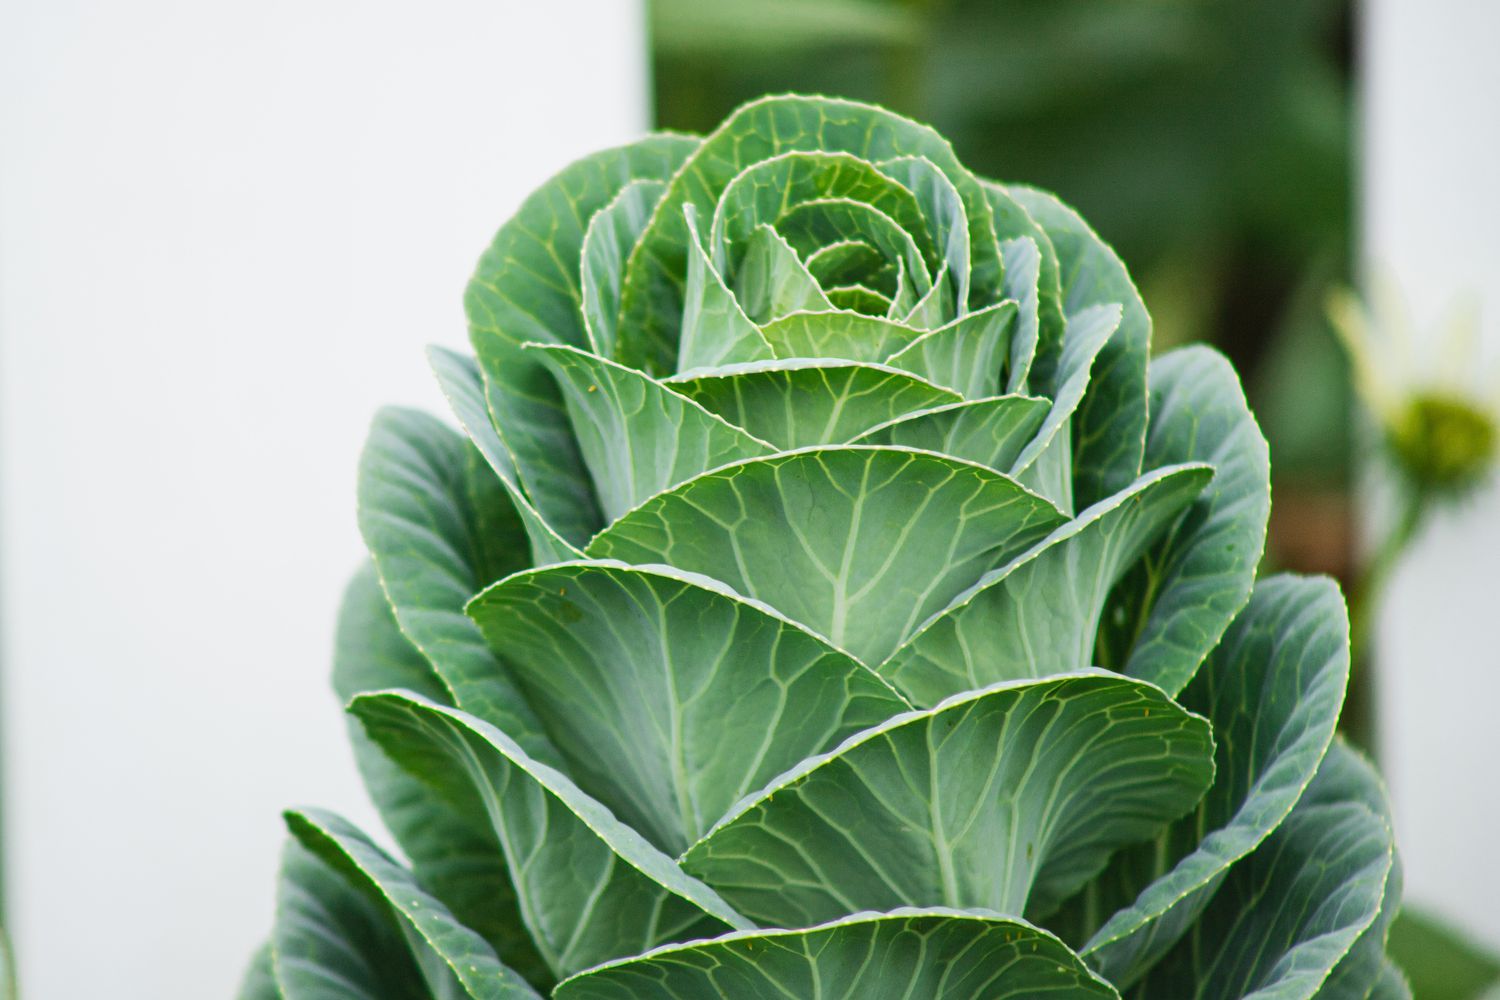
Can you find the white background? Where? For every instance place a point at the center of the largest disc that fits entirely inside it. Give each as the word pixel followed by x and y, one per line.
pixel 227 229
pixel 1432 216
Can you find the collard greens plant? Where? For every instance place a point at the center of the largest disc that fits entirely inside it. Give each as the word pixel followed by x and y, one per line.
pixel 827 599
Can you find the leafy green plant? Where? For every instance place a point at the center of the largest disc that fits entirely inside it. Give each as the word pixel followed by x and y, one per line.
pixel 827 599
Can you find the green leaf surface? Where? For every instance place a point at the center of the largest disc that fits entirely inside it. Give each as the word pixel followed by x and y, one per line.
pixel 943 209
pixel 848 336
pixel 1005 799
pixel 766 192
pixel 1022 273
pixel 453 855
pixel 1273 690
pixel 1029 281
pixel 848 262
pixel 1349 776
pixel 1047 463
pixel 526 289
pixel 463 384
pixel 639 437
pixel 772 281
pixel 440 528
pixel 988 432
pixel 639 673
pixel 1288 914
pixel 652 293
pixel 804 402
pixel 934 954
pixel 1038 614
pixel 606 243
pixel 715 329
pixel 336 940
pixel 590 887
pixel 857 543
pixel 813 225
pixel 966 355
pixel 1178 603
pixel 448 953
pixel 1110 435
pixel 858 298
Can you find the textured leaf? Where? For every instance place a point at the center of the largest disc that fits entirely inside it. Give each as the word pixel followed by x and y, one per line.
pixel 857 543
pixel 1347 776
pixel 1038 614
pixel 803 402
pixel 259 982
pixel 1005 799
pixel 606 243
pixel 1047 463
pixel 966 355
pixel 841 335
pixel 988 432
pixel 1029 281
pixel 440 528
pixel 640 672
pixel 858 298
pixel 463 385
pixel 1022 273
pixel 449 953
pixel 1110 434
pixel 335 940
pixel 849 262
pixel 772 281
pixel 766 192
pixel 933 954
pixel 943 208
pixel 527 289
pixel 1285 916
pixel 453 854
pixel 715 329
pixel 813 225
pixel 1272 690
pixel 639 437
pixel 652 293
pixel 1177 604
pixel 590 887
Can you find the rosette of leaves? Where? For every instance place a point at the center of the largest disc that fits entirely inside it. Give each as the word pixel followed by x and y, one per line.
pixel 826 598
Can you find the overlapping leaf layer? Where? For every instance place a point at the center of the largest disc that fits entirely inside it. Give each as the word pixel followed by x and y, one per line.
pixel 826 598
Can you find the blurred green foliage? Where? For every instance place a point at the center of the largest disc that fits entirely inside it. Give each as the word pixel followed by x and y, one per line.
pixel 1208 140
pixel 1440 962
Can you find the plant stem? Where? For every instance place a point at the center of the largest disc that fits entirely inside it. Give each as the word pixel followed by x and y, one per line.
pixel 1364 603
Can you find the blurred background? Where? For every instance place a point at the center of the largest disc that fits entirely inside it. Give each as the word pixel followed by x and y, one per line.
pixel 226 231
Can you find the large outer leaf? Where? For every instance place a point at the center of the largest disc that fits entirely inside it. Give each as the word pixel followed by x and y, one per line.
pixel 440 528
pixel 1038 614
pixel 590 887
pixel 806 402
pixel 334 938
pixel 857 543
pixel 670 696
pixel 1110 433
pixel 449 954
pixel 639 437
pixel 1288 914
pixel 651 302
pixel 1176 605
pixel 1006 799
pixel 932 954
pixel 454 856
pixel 1273 690
pixel 527 288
